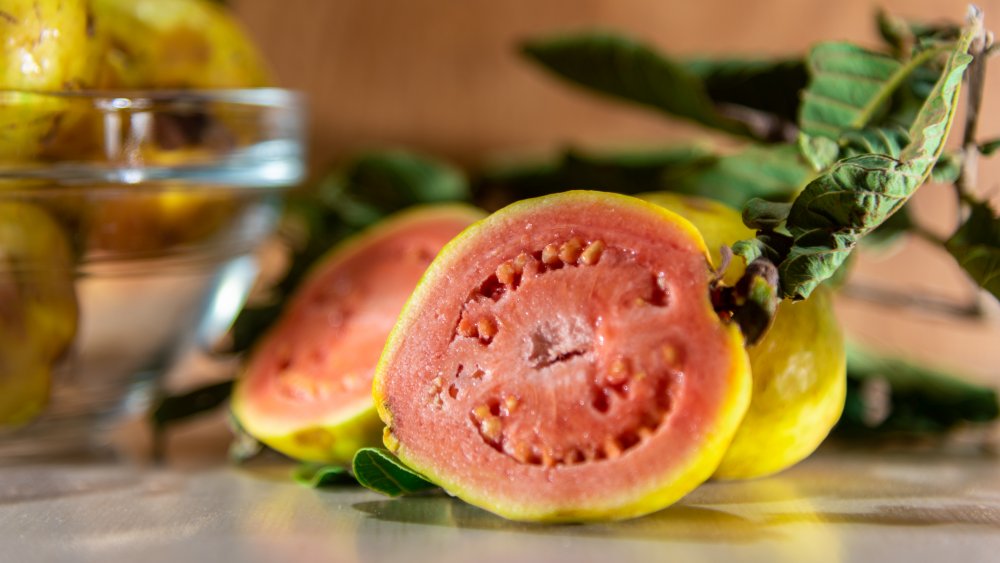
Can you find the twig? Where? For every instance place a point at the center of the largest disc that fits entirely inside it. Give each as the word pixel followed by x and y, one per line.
pixel 927 304
pixel 966 182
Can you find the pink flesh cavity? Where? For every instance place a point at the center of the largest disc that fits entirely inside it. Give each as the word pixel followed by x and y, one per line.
pixel 317 364
pixel 577 374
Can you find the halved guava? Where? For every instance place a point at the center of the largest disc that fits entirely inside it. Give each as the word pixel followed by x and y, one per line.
pixel 561 361
pixel 306 389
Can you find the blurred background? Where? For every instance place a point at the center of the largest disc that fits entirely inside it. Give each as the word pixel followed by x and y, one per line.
pixel 444 77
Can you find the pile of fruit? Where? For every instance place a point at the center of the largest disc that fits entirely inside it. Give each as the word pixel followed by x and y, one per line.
pixel 52 49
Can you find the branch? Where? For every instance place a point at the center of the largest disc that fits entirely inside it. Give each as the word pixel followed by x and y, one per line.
pixel 966 182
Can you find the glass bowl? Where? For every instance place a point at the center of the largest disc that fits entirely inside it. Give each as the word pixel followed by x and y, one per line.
pixel 127 225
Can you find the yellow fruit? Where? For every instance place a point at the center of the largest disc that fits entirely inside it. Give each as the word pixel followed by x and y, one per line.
pixel 44 47
pixel 38 309
pixel 799 367
pixel 174 44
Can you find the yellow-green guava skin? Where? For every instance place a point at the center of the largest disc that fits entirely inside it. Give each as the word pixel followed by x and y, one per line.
pixel 799 367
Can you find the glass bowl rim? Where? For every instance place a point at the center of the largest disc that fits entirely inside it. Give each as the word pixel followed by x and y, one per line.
pixel 263 96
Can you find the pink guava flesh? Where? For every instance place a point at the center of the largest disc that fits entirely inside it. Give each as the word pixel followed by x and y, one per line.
pixel 316 365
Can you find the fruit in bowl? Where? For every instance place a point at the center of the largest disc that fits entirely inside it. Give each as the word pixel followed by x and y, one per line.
pixel 157 196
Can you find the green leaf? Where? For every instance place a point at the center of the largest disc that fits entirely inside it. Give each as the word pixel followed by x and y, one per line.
pixel 382 472
pixel 849 86
pixel 627 172
pixel 976 247
pixel 628 70
pixel 947 168
pixel 892 395
pixel 380 183
pixel 860 192
pixel 773 171
pixel 903 36
pixel 989 147
pixel 768 85
pixel 885 141
pixel 757 171
pixel 317 475
pixel 175 408
pixel 763 214
pixel 819 152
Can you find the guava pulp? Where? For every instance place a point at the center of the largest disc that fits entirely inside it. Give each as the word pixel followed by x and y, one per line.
pixel 307 387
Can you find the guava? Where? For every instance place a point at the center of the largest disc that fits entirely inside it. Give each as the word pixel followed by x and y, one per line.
pixel 38 308
pixel 45 47
pixel 561 360
pixel 176 44
pixel 306 388
pixel 155 45
pixel 799 367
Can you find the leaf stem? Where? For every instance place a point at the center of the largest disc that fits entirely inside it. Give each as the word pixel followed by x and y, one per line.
pixel 927 304
pixel 895 81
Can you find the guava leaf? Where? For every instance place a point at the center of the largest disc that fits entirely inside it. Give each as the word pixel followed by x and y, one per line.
pixel 891 395
pixel 773 171
pixel 989 147
pixel 768 85
pixel 976 247
pixel 625 172
pixel 947 168
pixel 858 193
pixel 174 408
pixel 379 183
pixel 625 69
pixel 819 152
pixel 850 86
pixel 903 35
pixel 317 475
pixel 885 141
pixel 380 471
pixel 756 171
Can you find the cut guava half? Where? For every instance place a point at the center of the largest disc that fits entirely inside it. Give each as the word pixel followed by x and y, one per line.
pixel 306 389
pixel 561 361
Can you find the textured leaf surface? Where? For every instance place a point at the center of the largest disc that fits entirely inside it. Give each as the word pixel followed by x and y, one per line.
pixel 380 471
pixel 849 86
pixel 858 193
pixel 628 70
pixel 976 247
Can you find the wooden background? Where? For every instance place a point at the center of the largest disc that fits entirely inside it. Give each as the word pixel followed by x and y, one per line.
pixel 443 76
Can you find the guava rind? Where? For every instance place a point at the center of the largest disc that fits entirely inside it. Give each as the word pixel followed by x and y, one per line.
pixel 342 429
pixel 800 384
pixel 650 492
